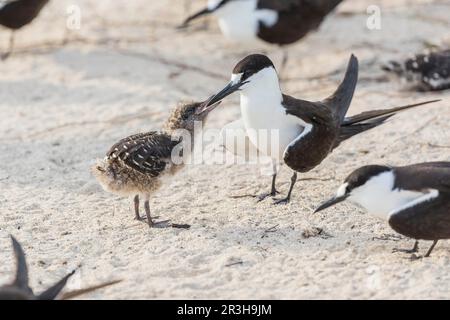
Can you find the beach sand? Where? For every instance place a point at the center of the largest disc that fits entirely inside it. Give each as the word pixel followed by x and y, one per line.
pixel 62 107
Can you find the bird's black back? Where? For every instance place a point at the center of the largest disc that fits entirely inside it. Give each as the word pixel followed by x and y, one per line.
pixel 18 13
pixel 296 18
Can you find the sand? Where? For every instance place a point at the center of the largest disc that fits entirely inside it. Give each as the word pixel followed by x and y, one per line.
pixel 63 106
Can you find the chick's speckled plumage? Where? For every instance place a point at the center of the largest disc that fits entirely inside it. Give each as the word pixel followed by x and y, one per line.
pixel 134 165
pixel 429 72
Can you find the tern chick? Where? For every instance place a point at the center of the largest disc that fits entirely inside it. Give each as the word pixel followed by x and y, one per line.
pixel 135 166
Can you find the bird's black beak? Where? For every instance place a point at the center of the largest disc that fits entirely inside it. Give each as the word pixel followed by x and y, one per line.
pixel 330 203
pixel 229 89
pixel 199 14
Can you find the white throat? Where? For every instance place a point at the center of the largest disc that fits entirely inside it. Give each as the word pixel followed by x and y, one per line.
pixel 239 19
pixel 379 198
pixel 268 127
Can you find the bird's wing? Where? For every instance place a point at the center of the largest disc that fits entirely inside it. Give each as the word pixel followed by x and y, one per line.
pixel 147 153
pixel 424 176
pixel 427 217
pixel 52 292
pixel 76 293
pixel 319 6
pixel 309 112
pixel 340 100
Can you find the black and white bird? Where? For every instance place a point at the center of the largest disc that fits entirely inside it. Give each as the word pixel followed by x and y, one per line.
pixel 307 131
pixel 278 22
pixel 19 289
pixel 15 14
pixel 415 199
pixel 137 165
pixel 427 72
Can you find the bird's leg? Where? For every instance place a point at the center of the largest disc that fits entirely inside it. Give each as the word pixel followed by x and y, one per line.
pixel 431 248
pixel 147 212
pixel 159 224
pixel 273 191
pixel 413 250
pixel 136 208
pixel 288 198
pixel 11 47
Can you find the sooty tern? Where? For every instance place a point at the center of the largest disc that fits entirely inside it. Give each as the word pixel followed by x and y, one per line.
pixel 278 22
pixel 136 166
pixel 415 199
pixel 20 289
pixel 307 131
pixel 428 72
pixel 14 14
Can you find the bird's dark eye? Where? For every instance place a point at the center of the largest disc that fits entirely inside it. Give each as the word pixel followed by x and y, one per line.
pixel 247 74
pixel 347 189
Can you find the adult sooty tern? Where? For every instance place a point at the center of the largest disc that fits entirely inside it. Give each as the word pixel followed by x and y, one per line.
pixel 136 166
pixel 415 199
pixel 307 131
pixel 427 72
pixel 19 289
pixel 278 22
pixel 14 14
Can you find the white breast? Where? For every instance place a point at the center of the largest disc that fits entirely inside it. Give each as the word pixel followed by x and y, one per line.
pixel 239 20
pixel 380 199
pixel 268 126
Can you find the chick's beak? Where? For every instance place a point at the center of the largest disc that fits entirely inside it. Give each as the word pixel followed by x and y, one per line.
pixel 206 107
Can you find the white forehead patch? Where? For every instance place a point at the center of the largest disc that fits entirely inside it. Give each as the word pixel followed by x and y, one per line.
pixel 236 78
pixel 342 190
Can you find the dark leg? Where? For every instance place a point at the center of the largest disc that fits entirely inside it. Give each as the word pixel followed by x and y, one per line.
pixel 288 198
pixel 431 248
pixel 147 212
pixel 273 191
pixel 11 47
pixel 413 250
pixel 160 224
pixel 136 208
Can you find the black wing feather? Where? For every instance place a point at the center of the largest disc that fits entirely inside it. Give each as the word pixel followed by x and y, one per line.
pixel 147 153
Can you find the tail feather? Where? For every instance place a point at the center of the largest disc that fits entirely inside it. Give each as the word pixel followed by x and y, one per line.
pixel 347 132
pixel 368 115
pixel 340 101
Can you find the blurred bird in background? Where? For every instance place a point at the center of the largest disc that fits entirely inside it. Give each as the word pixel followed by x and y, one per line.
pixel 15 14
pixel 277 22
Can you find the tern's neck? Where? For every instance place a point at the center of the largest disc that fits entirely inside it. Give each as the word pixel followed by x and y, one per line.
pixel 263 90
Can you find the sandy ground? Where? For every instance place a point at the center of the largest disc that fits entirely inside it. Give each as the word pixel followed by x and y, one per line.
pixel 62 107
